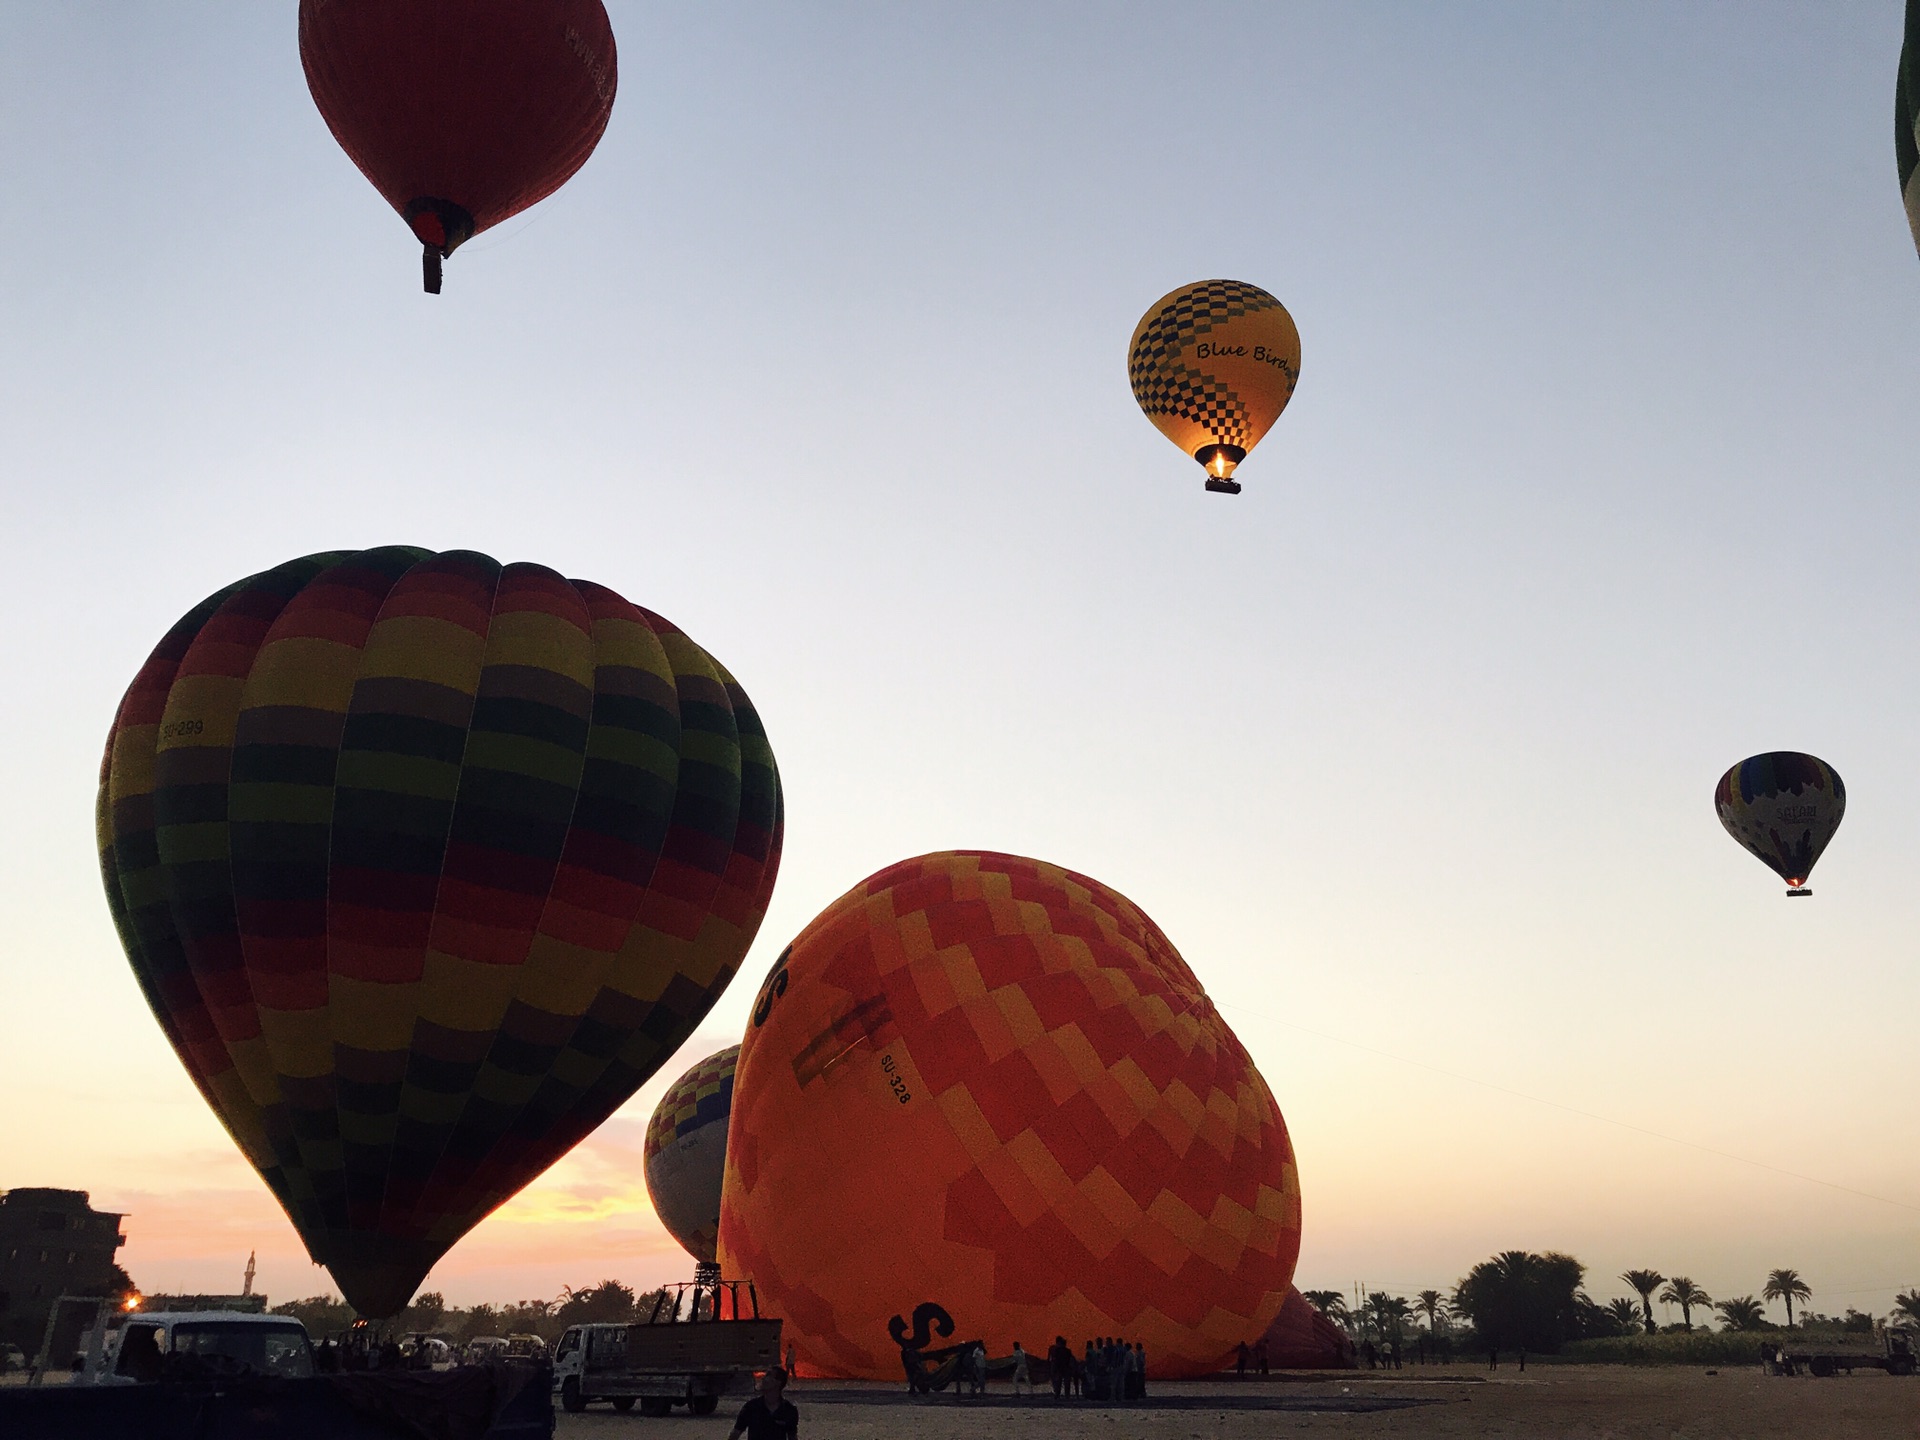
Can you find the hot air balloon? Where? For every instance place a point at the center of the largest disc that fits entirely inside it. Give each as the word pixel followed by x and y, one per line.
pixel 686 1152
pixel 1301 1338
pixel 1784 807
pixel 983 1097
pixel 1213 365
pixel 1906 119
pixel 425 863
pixel 461 112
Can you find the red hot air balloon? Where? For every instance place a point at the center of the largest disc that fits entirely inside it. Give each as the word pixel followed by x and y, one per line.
pixel 461 112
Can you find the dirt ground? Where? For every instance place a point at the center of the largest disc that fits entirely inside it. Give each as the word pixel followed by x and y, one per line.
pixel 1550 1402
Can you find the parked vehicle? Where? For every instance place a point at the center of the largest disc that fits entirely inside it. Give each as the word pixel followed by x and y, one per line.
pixel 1897 1356
pixel 669 1359
pixel 220 1342
pixel 526 1347
pixel 483 1348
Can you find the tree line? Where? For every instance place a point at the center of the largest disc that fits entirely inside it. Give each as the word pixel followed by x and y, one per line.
pixel 1522 1300
pixel 609 1302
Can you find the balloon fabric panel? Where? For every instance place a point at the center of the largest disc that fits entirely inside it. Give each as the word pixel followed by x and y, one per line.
pixel 993 1085
pixel 382 834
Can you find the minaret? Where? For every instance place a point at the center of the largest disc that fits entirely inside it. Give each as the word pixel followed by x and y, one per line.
pixel 246 1287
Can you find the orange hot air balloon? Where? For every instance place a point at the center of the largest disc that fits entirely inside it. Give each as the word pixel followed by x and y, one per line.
pixel 1213 365
pixel 983 1097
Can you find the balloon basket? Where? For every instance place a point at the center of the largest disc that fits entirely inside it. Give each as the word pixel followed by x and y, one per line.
pixel 1223 487
pixel 1792 893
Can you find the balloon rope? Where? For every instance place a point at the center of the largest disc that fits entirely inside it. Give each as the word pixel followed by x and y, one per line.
pixel 1576 1110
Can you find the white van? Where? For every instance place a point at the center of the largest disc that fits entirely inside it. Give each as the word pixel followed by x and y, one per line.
pixel 228 1340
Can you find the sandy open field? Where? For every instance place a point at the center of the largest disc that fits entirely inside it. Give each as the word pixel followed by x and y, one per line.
pixel 1549 1401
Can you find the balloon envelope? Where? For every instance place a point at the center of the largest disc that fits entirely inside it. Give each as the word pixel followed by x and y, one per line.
pixel 1213 365
pixel 1906 120
pixel 425 864
pixel 461 112
pixel 983 1097
pixel 1301 1338
pixel 686 1152
pixel 1784 807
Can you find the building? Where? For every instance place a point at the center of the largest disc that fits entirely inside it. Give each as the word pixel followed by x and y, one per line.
pixel 52 1243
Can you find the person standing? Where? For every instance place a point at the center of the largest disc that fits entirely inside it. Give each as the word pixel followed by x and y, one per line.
pixel 1090 1373
pixel 1493 1357
pixel 768 1415
pixel 1240 1358
pixel 1140 1350
pixel 1116 1371
pixel 1130 1360
pixel 1021 1376
pixel 1260 1355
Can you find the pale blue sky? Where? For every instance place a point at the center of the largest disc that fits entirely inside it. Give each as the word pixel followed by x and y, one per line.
pixel 1599 477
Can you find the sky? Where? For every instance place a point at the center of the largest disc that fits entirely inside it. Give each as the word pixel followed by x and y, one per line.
pixel 1598 478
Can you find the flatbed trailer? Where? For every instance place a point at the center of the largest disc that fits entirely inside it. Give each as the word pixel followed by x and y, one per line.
pixel 1896 1356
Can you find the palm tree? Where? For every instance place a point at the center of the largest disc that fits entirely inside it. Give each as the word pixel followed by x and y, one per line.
pixel 1433 1305
pixel 1625 1313
pixel 1742 1313
pixel 1683 1292
pixel 1788 1286
pixel 1645 1282
pixel 1330 1303
pixel 1907 1303
pixel 1388 1312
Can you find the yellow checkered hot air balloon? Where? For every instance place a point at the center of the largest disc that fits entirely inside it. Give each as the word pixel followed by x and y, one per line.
pixel 1213 365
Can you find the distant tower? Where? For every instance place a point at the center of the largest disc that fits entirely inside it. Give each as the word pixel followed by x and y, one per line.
pixel 246 1287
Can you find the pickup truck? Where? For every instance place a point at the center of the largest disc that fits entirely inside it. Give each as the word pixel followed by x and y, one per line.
pixel 663 1362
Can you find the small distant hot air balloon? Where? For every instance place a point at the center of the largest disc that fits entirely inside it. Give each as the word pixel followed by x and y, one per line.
pixel 1213 365
pixel 686 1152
pixel 1784 807
pixel 425 864
pixel 461 112
pixel 1906 120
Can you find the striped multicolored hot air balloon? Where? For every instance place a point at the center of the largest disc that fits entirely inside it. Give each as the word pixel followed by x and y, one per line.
pixel 425 863
pixel 982 1097
pixel 1212 365
pixel 685 1154
pixel 1784 807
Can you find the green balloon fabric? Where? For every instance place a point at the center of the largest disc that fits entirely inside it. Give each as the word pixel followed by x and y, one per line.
pixel 425 864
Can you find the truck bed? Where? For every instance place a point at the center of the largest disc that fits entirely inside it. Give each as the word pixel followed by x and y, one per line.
pixel 706 1347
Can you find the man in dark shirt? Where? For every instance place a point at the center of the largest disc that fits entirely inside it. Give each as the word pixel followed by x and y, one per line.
pixel 769 1415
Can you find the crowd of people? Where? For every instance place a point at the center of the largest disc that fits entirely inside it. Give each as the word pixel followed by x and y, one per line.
pixel 1111 1371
